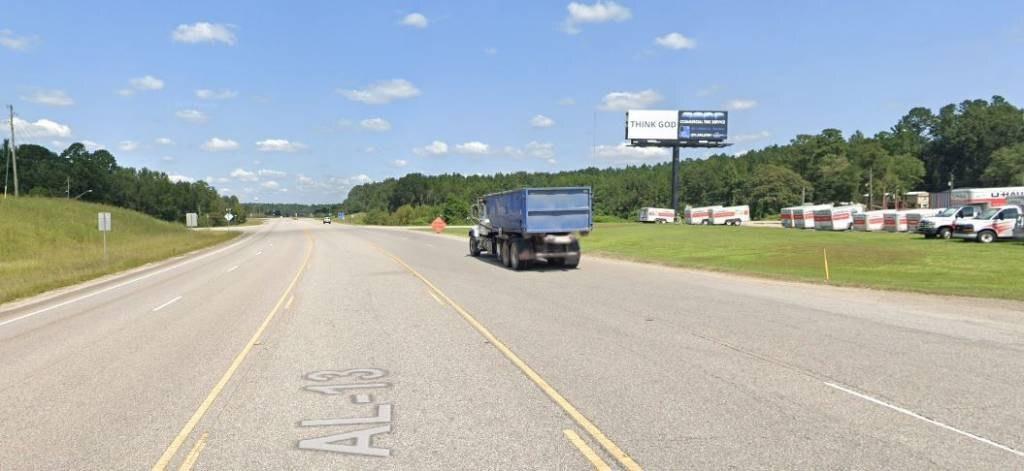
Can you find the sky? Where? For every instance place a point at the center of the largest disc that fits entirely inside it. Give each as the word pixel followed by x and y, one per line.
pixel 300 101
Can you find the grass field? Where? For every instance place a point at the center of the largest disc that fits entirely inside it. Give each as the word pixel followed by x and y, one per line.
pixel 49 243
pixel 906 262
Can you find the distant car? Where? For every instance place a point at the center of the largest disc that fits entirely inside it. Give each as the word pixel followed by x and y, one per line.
pixel 327 220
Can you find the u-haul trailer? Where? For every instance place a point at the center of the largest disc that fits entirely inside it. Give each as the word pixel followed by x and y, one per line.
pixel 895 221
pixel 837 218
pixel 868 221
pixel 730 215
pixel 657 215
pixel 803 216
pixel 914 217
pixel 786 216
pixel 699 215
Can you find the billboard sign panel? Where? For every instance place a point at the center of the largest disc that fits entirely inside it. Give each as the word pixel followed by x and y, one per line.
pixel 651 125
pixel 191 220
pixel 104 222
pixel 700 126
pixel 677 127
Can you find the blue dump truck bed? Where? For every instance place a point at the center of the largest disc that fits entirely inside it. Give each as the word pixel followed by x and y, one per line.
pixel 541 210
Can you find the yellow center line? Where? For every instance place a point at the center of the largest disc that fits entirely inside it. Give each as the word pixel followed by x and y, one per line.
pixel 581 420
pixel 193 455
pixel 288 305
pixel 432 295
pixel 179 440
pixel 585 449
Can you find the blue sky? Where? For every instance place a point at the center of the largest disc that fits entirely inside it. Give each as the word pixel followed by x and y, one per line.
pixel 305 100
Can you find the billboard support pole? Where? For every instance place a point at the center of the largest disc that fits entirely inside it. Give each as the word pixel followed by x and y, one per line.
pixel 675 181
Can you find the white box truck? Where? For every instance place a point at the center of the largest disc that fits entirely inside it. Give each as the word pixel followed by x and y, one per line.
pixel 964 204
pixel 657 215
pixel 997 222
pixel 868 221
pixel 836 218
pixel 699 215
pixel 803 216
pixel 730 215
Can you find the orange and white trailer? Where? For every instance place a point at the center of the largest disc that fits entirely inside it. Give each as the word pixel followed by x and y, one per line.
pixel 914 217
pixel 895 221
pixel 837 218
pixel 786 216
pixel 803 216
pixel 868 221
pixel 699 215
pixel 730 215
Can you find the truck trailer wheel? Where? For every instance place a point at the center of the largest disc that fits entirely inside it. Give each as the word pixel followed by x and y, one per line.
pixel 505 249
pixel 986 237
pixel 516 249
pixel 474 247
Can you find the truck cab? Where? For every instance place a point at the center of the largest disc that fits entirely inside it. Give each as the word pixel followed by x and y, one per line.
pixel 992 224
pixel 941 225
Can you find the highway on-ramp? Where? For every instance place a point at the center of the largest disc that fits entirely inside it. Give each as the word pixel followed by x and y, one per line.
pixel 311 346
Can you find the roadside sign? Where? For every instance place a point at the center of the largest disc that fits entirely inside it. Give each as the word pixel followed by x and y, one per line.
pixel 104 222
pixel 229 217
pixel 438 225
pixel 191 220
pixel 341 215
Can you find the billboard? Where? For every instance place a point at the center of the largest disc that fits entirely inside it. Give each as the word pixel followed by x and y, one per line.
pixel 677 127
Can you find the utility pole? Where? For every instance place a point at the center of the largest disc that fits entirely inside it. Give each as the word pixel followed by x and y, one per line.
pixel 675 180
pixel 871 187
pixel 69 188
pixel 14 153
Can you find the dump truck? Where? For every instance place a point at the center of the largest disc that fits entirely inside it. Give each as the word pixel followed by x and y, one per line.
pixel 532 225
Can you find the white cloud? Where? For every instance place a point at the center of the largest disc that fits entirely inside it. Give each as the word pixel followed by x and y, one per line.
pixel 751 137
pixel 167 158
pixel 399 163
pixel 416 20
pixel 370 149
pixel 434 148
pixel 472 148
pixel 490 51
pixel 51 98
pixel 709 91
pixel 216 144
pixel 383 92
pixel 128 146
pixel 180 178
pixel 270 185
pixel 92 146
pixel 39 128
pixel 206 94
pixel 279 145
pixel 741 104
pixel 147 82
pixel 375 124
pixel 192 116
pixel 164 141
pixel 622 101
pixel 541 121
pixel 675 41
pixel 266 172
pixel 203 32
pixel 599 12
pixel 360 179
pixel 244 175
pixel 15 43
pixel 628 154
pixel 540 150
pixel 567 101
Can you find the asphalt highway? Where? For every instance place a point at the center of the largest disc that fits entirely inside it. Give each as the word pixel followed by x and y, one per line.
pixel 311 346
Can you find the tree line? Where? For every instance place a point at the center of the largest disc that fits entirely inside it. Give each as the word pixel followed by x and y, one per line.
pixel 973 143
pixel 95 176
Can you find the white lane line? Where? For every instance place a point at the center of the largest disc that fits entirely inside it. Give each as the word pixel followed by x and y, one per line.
pixel 232 268
pixel 168 303
pixel 926 419
pixel 119 285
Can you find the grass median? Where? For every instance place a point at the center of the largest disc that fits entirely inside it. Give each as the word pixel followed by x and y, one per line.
pixel 906 262
pixel 50 243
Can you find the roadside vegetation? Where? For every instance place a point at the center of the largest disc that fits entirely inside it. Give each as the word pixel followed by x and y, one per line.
pixel 974 143
pixel 47 243
pixel 902 261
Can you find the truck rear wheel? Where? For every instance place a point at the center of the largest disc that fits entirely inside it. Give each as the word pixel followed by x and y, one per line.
pixel 517 247
pixel 572 261
pixel 474 247
pixel 505 249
